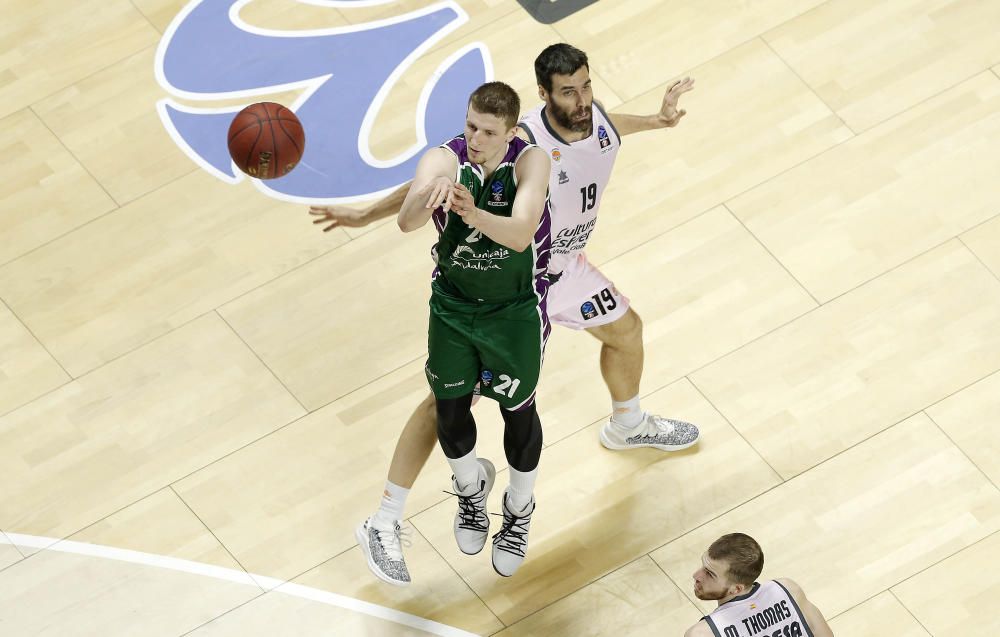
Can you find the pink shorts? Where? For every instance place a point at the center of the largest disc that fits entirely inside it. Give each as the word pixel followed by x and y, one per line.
pixel 582 297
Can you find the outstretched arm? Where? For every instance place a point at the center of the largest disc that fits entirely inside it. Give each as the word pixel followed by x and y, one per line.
pixel 346 217
pixel 668 117
pixel 431 188
pixel 343 216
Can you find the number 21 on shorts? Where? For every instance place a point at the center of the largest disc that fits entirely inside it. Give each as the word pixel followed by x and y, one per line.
pixel 507 385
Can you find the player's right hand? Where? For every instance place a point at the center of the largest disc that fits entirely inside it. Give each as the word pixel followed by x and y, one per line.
pixel 438 193
pixel 465 206
pixel 461 200
pixel 339 217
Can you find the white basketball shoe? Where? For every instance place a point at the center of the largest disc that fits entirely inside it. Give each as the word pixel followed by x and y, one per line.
pixel 472 524
pixel 654 431
pixel 510 543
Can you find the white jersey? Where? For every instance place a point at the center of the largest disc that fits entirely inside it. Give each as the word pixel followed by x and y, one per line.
pixel 580 173
pixel 768 610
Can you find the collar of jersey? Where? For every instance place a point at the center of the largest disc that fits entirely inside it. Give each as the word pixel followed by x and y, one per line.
pixel 753 590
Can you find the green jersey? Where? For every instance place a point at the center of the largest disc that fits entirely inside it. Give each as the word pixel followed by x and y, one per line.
pixel 472 266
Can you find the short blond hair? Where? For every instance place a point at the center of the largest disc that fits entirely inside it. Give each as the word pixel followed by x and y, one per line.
pixel 498 99
pixel 742 555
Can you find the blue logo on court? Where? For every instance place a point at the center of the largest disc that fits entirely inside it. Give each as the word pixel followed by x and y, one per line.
pixel 588 310
pixel 342 76
pixel 486 378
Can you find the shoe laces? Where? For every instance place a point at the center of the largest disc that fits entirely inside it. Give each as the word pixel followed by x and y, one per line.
pixel 510 538
pixel 472 510
pixel 393 540
pixel 662 426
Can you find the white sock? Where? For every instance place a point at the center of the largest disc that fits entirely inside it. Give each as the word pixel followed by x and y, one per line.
pixel 391 509
pixel 627 414
pixel 466 469
pixel 522 485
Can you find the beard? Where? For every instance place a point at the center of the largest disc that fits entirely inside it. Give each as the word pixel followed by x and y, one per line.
pixel 709 596
pixel 579 121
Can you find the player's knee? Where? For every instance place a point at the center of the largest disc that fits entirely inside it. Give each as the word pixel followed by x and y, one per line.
pixel 626 332
pixel 522 438
pixel 452 413
pixel 635 328
pixel 456 427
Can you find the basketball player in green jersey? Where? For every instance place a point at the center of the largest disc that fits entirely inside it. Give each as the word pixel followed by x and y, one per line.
pixel 585 159
pixel 486 192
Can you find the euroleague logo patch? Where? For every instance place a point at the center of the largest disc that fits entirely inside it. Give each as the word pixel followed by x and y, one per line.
pixel 341 77
pixel 486 378
pixel 496 194
pixel 603 138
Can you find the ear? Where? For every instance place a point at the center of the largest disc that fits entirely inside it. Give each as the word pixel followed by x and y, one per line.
pixel 511 133
pixel 542 95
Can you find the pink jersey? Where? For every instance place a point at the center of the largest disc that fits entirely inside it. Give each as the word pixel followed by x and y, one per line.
pixel 580 173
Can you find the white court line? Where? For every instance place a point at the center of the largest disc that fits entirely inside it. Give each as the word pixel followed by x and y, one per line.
pixel 232 575
pixel 5 540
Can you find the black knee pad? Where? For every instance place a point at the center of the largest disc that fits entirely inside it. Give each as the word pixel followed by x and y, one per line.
pixel 522 438
pixel 456 428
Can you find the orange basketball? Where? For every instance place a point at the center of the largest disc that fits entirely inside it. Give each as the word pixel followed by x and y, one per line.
pixel 266 140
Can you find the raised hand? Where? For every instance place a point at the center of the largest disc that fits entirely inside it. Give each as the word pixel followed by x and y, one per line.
pixel 669 116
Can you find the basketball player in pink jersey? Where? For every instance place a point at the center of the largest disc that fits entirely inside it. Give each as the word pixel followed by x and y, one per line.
pixel 582 141
pixel 748 608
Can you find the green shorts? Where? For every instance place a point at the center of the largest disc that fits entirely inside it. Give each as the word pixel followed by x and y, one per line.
pixel 500 345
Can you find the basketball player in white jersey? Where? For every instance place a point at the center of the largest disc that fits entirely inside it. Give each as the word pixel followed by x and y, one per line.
pixel 746 607
pixel 582 141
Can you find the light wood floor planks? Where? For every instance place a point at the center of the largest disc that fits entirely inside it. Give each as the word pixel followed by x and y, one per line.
pixel 200 391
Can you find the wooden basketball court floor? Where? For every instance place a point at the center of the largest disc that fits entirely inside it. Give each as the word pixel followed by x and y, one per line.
pixel 200 391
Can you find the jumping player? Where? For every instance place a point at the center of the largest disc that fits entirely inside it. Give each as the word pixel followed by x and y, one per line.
pixel 583 142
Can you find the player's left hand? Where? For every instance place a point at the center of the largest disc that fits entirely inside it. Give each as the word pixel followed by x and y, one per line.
pixel 464 205
pixel 669 116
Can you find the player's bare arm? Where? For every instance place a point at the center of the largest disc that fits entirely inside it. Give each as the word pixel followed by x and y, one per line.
pixel 700 629
pixel 347 217
pixel 431 188
pixel 812 615
pixel 517 231
pixel 668 117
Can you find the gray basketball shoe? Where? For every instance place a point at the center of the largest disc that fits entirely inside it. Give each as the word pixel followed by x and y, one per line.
pixel 384 551
pixel 654 431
